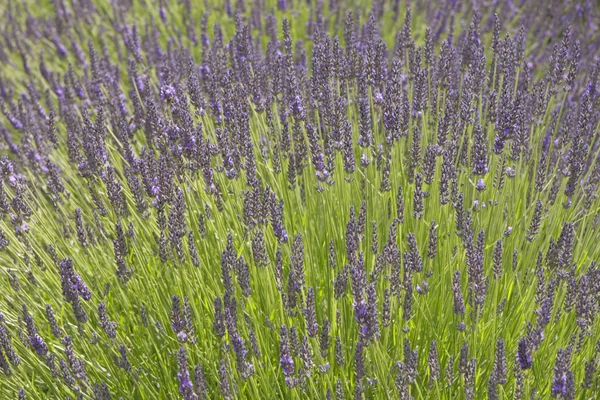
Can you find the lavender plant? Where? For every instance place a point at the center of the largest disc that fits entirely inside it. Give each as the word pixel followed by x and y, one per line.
pixel 186 190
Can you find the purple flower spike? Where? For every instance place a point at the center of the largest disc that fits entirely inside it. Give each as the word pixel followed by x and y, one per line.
pixel 524 354
pixel 480 185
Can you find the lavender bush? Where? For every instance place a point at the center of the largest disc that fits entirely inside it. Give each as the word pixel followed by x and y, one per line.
pixel 279 199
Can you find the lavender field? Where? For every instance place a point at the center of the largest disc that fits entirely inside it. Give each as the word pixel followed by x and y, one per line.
pixel 299 199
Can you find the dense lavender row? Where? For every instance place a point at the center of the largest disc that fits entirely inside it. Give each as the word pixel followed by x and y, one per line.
pixel 299 200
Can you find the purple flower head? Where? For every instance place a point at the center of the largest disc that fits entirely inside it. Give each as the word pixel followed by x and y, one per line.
pixel 231 173
pixel 297 106
pixel 59 91
pixel 139 82
pixel 177 322
pixel 282 235
pixel 34 339
pixel 287 363
pixel 499 143
pixel 277 219
pixel 480 185
pixel 15 123
pixel 424 289
pixel 563 384
pixel 82 288
pixel 479 153
pixel 238 345
pixel 177 150
pixel 182 337
pixel 310 313
pixel 12 180
pixel 167 93
pixel 38 344
pixel 285 358
pixel 205 73
pixel 546 143
pixel 524 354
pixel 559 385
pixel 61 50
pixel 320 165
pixel 24 227
pixel 361 311
pixel 364 160
pixel 481 168
pixel 363 141
pixel 186 387
pixel 185 384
